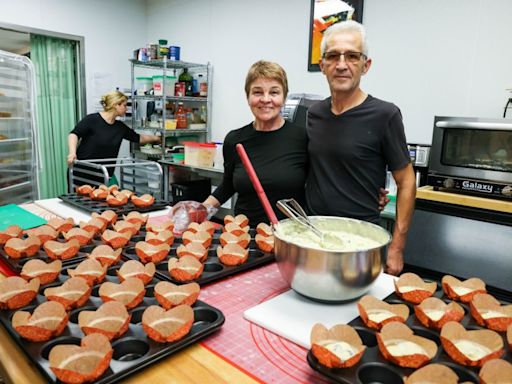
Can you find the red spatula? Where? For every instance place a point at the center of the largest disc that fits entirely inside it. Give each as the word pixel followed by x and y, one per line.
pixel 256 184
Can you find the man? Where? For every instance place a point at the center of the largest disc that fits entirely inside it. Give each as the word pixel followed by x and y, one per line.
pixel 353 137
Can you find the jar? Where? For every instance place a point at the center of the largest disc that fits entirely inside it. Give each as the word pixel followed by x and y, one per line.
pixel 152 51
pixel 174 53
pixel 163 49
pixel 179 89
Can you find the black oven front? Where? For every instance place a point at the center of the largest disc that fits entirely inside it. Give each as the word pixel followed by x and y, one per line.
pixel 472 155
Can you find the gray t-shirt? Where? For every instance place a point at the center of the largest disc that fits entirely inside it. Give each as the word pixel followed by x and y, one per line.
pixel 348 155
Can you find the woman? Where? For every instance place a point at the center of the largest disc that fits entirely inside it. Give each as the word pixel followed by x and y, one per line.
pixel 101 135
pixel 278 151
pixel 277 148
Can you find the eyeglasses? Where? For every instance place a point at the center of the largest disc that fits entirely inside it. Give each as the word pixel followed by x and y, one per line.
pixel 349 56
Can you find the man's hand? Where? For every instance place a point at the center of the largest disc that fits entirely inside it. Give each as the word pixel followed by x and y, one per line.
pixel 383 198
pixel 394 261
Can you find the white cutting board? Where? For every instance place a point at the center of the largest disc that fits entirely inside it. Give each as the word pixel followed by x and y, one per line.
pixel 292 316
pixel 64 210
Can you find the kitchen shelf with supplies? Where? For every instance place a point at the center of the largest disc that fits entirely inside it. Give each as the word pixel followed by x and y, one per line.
pixel 18 156
pixel 156 105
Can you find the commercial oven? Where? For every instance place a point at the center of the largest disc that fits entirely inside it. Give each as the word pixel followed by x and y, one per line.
pixel 472 155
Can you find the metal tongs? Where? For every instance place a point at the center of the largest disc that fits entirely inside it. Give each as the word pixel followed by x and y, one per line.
pixel 292 209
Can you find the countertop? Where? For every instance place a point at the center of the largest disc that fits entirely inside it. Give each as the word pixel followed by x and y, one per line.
pixel 427 193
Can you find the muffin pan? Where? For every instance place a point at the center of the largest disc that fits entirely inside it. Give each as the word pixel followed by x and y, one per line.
pixel 133 351
pixel 17 264
pixel 374 368
pixel 98 206
pixel 213 269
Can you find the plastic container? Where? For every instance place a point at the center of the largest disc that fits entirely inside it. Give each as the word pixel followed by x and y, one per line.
pixel 218 160
pixel 170 123
pixel 391 186
pixel 199 154
pixel 158 85
pixel 143 84
pixel 178 158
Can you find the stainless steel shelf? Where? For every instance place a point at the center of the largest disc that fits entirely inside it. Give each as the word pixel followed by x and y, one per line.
pixel 172 98
pixel 171 132
pixel 169 64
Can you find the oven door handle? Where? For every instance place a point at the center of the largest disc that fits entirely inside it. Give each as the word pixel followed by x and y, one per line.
pixel 473 125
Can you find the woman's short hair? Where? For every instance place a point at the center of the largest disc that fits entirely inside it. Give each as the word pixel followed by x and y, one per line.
pixel 266 70
pixel 111 99
pixel 342 27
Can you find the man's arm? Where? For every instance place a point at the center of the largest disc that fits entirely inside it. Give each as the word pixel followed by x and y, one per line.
pixel 406 195
pixel 146 139
pixel 72 143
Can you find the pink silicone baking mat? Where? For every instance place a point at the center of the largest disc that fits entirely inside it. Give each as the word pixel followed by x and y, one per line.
pixel 260 353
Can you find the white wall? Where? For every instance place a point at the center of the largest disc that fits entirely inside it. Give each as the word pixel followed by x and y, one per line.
pixel 435 57
pixel 430 57
pixel 112 29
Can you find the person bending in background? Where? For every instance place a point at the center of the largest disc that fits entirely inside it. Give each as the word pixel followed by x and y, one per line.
pixel 100 136
pixel 353 136
pixel 276 148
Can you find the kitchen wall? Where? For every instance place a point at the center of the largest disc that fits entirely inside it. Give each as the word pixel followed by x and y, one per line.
pixel 436 57
pixel 111 29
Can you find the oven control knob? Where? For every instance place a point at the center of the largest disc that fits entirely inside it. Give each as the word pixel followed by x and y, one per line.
pixel 449 183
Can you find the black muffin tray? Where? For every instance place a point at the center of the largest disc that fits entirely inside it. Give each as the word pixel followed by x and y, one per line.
pixel 213 269
pixel 99 206
pixel 373 368
pixel 133 351
pixel 17 264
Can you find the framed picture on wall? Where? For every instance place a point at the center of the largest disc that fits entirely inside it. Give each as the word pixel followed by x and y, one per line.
pixel 325 13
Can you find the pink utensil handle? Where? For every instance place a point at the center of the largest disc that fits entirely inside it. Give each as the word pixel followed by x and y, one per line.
pixel 256 184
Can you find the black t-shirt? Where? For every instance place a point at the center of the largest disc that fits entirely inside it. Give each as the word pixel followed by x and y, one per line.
pixel 348 157
pixel 100 140
pixel 280 160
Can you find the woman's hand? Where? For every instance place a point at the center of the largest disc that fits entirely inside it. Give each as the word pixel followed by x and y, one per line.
pixel 71 159
pixel 383 198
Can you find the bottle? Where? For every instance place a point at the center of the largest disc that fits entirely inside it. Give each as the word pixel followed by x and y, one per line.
pixel 203 114
pixel 203 86
pixel 181 117
pixel 186 78
pixel 195 86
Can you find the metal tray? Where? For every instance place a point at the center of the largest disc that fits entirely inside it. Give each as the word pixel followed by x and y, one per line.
pixel 374 368
pixel 133 351
pixel 99 206
pixel 213 269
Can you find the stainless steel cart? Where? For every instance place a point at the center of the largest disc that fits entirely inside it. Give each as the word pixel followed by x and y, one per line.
pixel 139 176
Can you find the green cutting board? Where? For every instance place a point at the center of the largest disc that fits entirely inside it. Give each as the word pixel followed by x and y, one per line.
pixel 11 214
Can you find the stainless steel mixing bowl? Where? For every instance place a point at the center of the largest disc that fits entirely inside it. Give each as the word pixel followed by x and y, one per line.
pixel 332 276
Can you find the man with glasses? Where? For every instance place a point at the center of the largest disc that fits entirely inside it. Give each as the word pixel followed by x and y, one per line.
pixel 353 137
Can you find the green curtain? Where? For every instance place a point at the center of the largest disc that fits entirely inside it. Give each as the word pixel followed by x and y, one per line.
pixel 54 61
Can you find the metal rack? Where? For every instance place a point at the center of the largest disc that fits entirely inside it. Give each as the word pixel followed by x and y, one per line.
pixel 138 175
pixel 18 149
pixel 165 67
